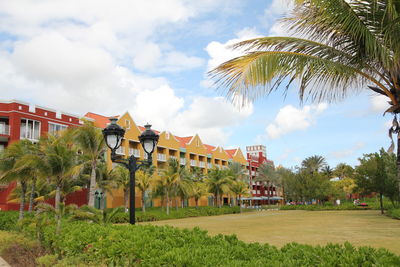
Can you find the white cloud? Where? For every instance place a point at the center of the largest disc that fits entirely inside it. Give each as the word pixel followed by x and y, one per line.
pixel 273 12
pixel 340 154
pixel 290 119
pixel 379 103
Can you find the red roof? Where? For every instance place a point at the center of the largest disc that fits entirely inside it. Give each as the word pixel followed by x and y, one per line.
pixel 209 148
pixel 99 120
pixel 184 140
pixel 141 128
pixel 231 152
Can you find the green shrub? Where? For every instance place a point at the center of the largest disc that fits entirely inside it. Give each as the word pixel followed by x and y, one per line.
pixel 394 213
pixel 148 245
pixel 8 220
pixel 373 203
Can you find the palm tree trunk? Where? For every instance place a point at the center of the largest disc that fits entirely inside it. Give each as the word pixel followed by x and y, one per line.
pixel 92 187
pixel 218 200
pixel 176 203
pixel 240 203
pixel 126 194
pixel 197 202
pixel 182 203
pixel 22 202
pixel 398 160
pixel 58 229
pixel 58 197
pixel 143 202
pixel 269 195
pixel 167 200
pixel 33 188
pixel 381 202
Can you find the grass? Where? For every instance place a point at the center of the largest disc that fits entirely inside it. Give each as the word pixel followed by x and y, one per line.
pixel 361 228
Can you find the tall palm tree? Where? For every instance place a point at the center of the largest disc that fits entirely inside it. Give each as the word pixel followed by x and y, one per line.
pixel 120 176
pixel 218 182
pixel 239 189
pixel 267 174
pixel 168 178
pixel 144 182
pixel 343 170
pixel 198 190
pixel 13 167
pixel 346 46
pixel 237 171
pixel 313 164
pixel 90 141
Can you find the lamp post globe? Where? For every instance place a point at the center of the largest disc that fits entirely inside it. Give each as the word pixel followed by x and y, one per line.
pixel 113 134
pixel 149 140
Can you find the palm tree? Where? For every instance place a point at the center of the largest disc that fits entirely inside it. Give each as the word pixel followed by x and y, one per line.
pixel 346 46
pixel 90 141
pixel 120 176
pixel 218 182
pixel 198 190
pixel 91 214
pixel 61 211
pixel 239 188
pixel 237 171
pixel 144 182
pixel 314 163
pixel 327 170
pixel 14 168
pixel 183 185
pixel 267 174
pixel 168 178
pixel 343 171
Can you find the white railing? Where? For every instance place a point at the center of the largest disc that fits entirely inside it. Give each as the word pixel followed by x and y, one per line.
pixel 254 191
pixel 4 129
pixel 172 157
pixel 120 150
pixel 193 163
pixel 209 165
pixel 182 161
pixel 134 151
pixel 202 164
pixel 161 157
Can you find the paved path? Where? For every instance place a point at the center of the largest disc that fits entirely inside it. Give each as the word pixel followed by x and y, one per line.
pixel 3 263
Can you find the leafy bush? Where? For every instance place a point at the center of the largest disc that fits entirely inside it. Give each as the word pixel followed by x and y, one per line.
pixel 394 213
pixel 372 204
pixel 157 214
pixel 147 245
pixel 8 220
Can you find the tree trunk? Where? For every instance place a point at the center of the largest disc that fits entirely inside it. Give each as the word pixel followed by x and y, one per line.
pixel 167 200
pixel 143 202
pixel 269 194
pixel 197 202
pixel 381 202
pixel 218 200
pixel 215 200
pixel 58 198
pixel 240 203
pixel 92 187
pixel 398 160
pixel 32 195
pixel 182 203
pixel 126 199
pixel 22 202
pixel 58 229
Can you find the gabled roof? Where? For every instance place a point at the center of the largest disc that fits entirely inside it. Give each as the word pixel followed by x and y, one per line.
pixel 141 128
pixel 209 148
pixel 99 120
pixel 184 140
pixel 231 152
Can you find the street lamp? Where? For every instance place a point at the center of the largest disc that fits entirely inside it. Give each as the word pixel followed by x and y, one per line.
pixel 113 135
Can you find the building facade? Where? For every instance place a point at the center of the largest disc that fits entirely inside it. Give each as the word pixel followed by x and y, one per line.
pixel 20 120
pixel 190 151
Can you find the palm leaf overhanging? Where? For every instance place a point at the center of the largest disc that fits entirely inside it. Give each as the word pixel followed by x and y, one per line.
pixel 337 48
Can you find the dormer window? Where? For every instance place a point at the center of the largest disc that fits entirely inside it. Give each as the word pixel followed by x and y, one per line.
pixel 127 124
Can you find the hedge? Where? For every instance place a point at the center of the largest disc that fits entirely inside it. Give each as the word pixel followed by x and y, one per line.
pixel 394 213
pixel 147 245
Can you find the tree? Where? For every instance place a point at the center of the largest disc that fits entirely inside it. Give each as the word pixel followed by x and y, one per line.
pixel 239 189
pixel 377 173
pixel 314 163
pixel 61 211
pixel 144 182
pixel 91 214
pixel 90 141
pixel 168 178
pixel 13 167
pixel 198 190
pixel 347 46
pixel 327 171
pixel 237 171
pixel 218 182
pixel 120 176
pixel 343 171
pixel 267 174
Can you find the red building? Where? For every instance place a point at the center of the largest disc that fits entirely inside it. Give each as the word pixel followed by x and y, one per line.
pixel 20 120
pixel 256 156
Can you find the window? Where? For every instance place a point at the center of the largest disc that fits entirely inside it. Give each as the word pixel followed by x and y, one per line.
pixel 1 147
pixel 55 128
pixel 30 129
pixel 127 124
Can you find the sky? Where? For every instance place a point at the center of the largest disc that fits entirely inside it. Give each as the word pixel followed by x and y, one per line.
pixel 151 58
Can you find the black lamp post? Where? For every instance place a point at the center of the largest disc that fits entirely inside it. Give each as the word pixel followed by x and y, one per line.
pixel 113 135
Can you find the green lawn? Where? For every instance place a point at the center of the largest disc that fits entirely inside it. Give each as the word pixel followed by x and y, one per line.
pixel 361 228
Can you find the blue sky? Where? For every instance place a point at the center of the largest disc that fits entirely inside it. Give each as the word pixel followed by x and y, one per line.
pixel 151 58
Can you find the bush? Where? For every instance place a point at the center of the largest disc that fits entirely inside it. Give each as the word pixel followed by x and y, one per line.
pixel 373 203
pixel 394 213
pixel 157 214
pixel 147 245
pixel 8 220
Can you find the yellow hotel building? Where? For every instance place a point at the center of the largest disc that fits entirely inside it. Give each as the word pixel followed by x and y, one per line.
pixel 190 151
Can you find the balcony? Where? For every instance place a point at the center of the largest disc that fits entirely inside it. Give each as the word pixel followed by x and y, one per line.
pixel 182 161
pixel 193 163
pixel 172 157
pixel 120 151
pixel 209 165
pixel 135 152
pixel 161 157
pixel 202 164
